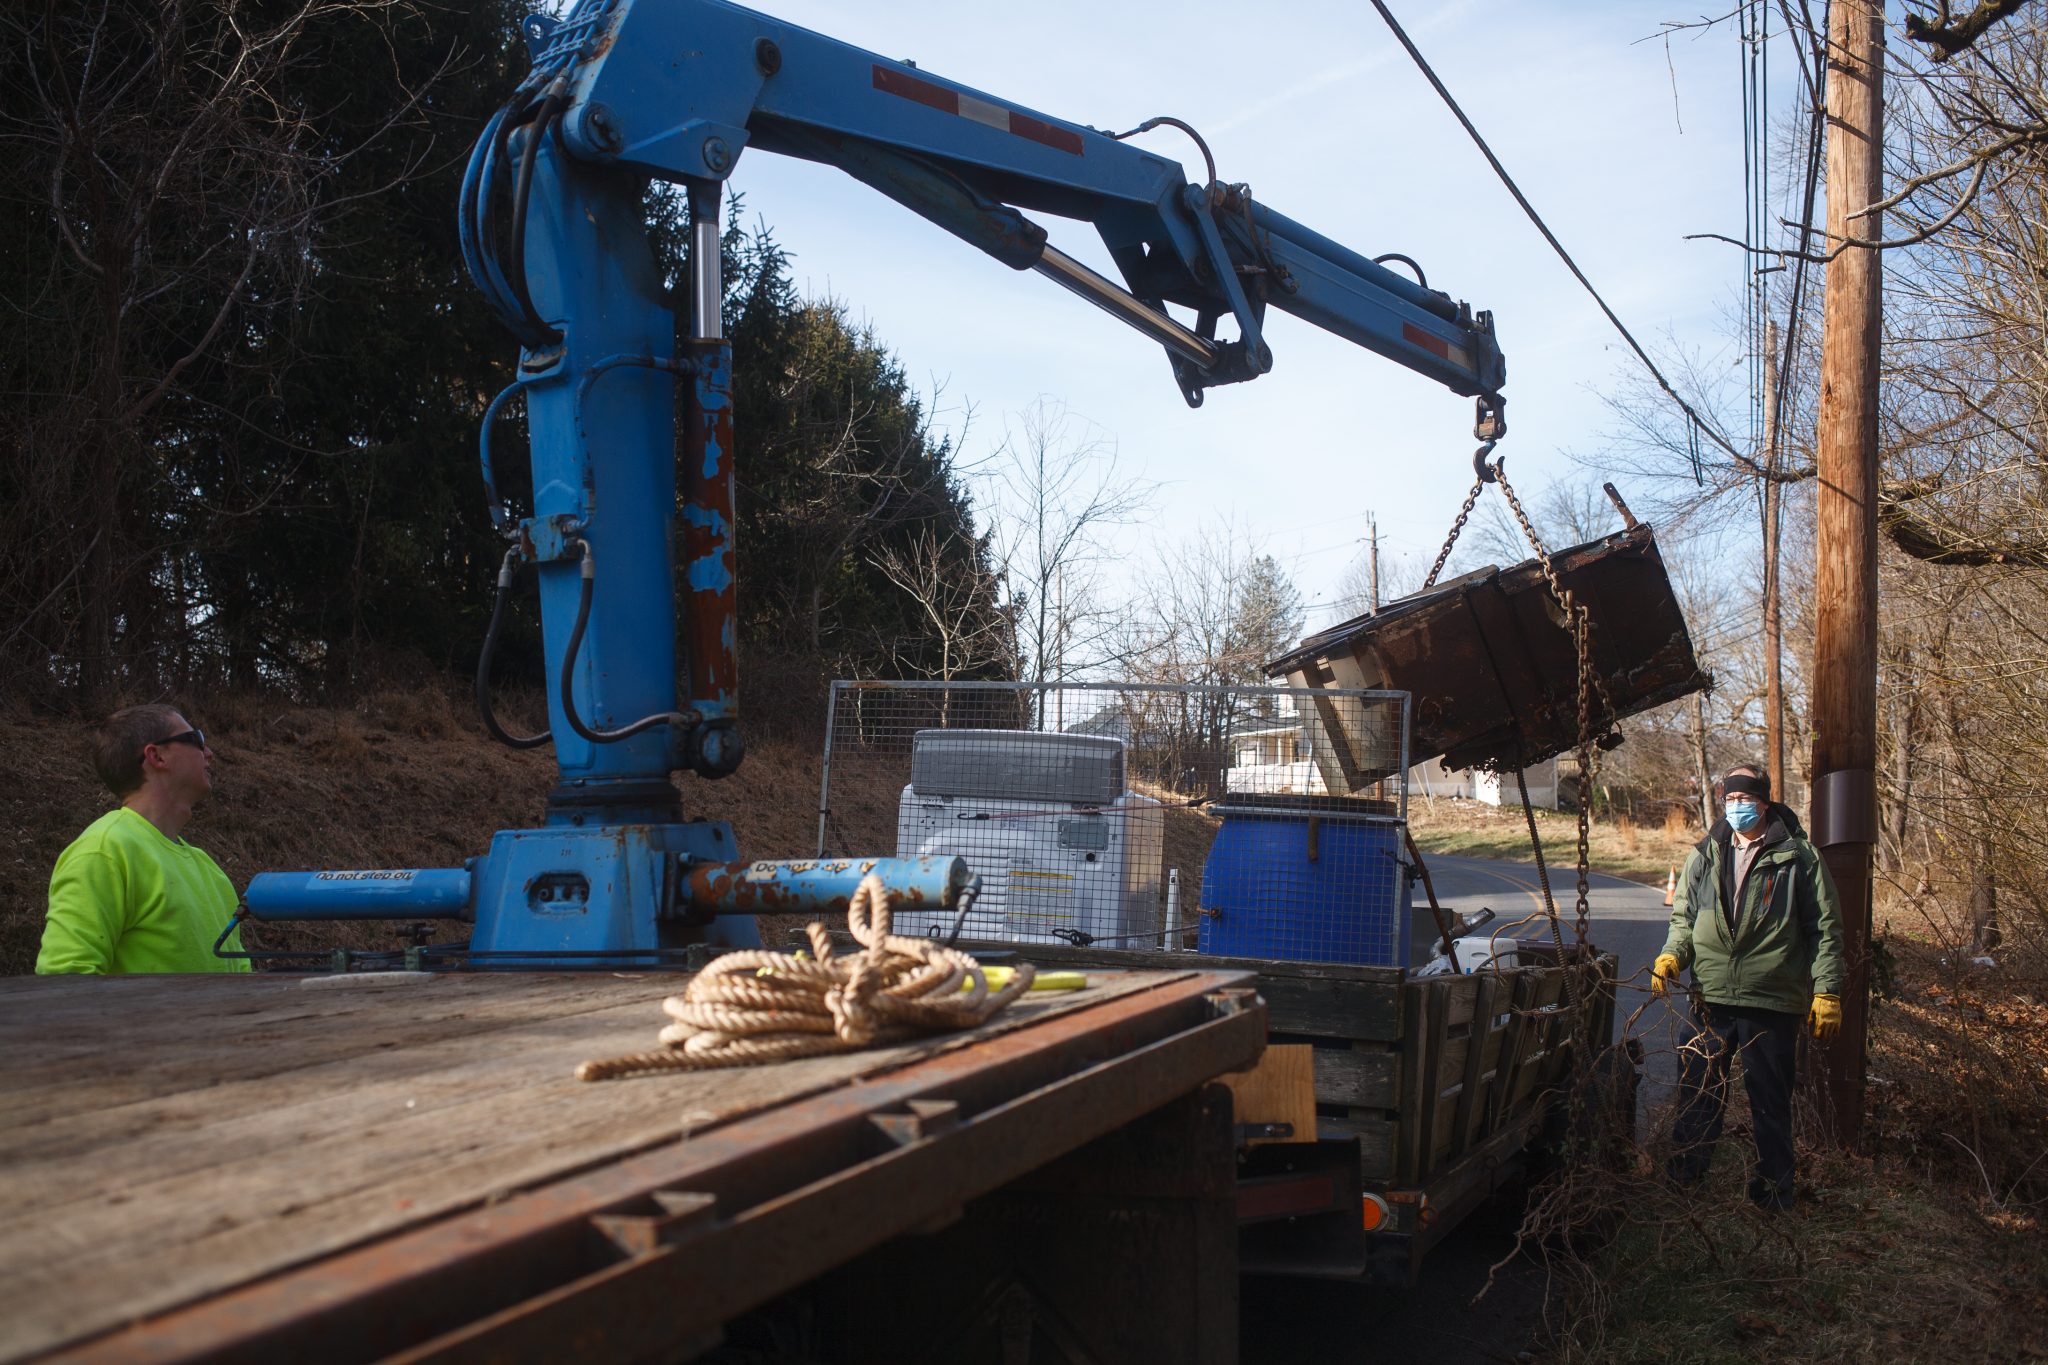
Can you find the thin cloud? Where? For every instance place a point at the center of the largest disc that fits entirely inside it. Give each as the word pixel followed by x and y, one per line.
pixel 1323 80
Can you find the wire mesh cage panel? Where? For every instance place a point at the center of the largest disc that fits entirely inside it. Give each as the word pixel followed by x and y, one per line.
pixel 1246 821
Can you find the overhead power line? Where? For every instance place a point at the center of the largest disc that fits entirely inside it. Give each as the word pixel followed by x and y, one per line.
pixel 1699 422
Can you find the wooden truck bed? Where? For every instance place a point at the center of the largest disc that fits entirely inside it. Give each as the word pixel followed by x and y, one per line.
pixel 341 1167
pixel 1442 1081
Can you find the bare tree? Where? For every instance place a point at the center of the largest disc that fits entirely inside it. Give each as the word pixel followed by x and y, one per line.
pixel 957 593
pixel 1211 615
pixel 1054 488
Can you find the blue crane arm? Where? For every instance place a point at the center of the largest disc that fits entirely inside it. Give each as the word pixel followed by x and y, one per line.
pixel 631 507
pixel 679 89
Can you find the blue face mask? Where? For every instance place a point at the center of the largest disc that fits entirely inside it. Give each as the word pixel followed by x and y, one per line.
pixel 1744 816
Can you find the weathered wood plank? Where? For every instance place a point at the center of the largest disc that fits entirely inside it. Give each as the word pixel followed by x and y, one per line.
pixel 1313 999
pixel 1331 1007
pixel 1476 1048
pixel 1513 1048
pixel 1376 1137
pixel 59 1061
pixel 1460 992
pixel 1126 959
pixel 162 1198
pixel 1279 1090
pixel 1360 1077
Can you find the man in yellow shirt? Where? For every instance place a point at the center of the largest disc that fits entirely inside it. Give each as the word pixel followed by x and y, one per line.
pixel 130 895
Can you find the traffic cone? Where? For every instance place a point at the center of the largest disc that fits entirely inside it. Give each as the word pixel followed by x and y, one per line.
pixel 1671 887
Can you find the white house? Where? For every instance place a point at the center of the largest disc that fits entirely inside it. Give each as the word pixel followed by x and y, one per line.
pixel 1274 758
pixel 1475 784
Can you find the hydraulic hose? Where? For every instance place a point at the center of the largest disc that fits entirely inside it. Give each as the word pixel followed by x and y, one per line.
pixel 551 107
pixel 596 736
pixel 501 517
pixel 469 226
pixel 483 667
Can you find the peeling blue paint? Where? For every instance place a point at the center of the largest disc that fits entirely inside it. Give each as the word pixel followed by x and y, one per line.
pixel 710 573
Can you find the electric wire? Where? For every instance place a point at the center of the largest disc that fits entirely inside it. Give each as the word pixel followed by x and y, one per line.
pixel 1750 47
pixel 1694 416
pixel 1816 97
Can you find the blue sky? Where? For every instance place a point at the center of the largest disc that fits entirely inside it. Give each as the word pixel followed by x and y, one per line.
pixel 1317 107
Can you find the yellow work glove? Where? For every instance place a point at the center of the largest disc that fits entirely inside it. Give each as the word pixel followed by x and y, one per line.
pixel 1663 975
pixel 1825 1018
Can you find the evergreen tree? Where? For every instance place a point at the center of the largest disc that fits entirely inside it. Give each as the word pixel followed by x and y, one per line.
pixel 249 365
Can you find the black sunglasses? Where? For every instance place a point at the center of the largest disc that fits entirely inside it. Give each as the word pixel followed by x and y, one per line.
pixel 195 738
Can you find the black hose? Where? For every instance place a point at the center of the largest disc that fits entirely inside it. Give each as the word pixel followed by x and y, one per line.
pixel 486 237
pixel 1406 260
pixel 569 674
pixel 483 669
pixel 522 190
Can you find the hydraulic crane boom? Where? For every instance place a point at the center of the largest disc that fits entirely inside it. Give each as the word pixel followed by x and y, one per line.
pixel 554 234
pixel 972 164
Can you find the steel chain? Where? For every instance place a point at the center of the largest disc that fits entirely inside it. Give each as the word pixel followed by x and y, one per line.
pixel 1581 627
pixel 1458 526
pixel 1580 624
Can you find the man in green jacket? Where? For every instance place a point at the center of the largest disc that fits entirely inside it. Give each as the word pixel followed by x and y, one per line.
pixel 1757 919
pixel 129 894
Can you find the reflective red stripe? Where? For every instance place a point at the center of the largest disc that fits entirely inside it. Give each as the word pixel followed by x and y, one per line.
pixel 1038 130
pixel 892 81
pixel 1415 336
pixel 1264 1199
pixel 895 82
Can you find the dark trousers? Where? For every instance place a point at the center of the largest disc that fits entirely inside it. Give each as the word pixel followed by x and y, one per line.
pixel 1768 1041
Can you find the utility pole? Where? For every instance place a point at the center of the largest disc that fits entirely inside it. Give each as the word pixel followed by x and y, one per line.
pixel 1845 558
pixel 1372 534
pixel 1774 598
pixel 1702 773
pixel 1060 648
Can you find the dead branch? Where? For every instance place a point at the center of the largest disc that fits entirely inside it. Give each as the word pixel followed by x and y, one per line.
pixel 1945 35
pixel 1925 539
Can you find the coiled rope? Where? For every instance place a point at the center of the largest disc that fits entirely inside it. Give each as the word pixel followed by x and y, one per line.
pixel 757 1006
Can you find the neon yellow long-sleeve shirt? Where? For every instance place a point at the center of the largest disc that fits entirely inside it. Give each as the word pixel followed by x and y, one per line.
pixel 124 898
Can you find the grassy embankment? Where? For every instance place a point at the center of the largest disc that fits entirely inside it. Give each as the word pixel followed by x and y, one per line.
pixel 1620 848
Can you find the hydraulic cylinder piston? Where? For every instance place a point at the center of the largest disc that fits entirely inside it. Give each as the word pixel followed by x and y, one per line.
pixel 366 893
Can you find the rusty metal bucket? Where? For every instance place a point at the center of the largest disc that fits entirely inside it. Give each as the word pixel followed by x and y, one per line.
pixel 1491 664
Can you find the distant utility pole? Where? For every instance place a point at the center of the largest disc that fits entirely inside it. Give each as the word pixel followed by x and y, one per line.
pixel 1372 535
pixel 1702 773
pixel 1845 558
pixel 1060 647
pixel 1774 598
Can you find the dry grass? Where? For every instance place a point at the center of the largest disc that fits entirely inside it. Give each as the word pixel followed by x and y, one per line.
pixel 1927 1244
pixel 1620 848
pixel 1876 1264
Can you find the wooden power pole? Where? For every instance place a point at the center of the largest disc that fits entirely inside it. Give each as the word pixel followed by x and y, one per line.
pixel 1845 558
pixel 1774 597
pixel 1372 531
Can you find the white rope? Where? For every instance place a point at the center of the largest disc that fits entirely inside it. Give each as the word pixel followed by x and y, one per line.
pixel 757 1006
